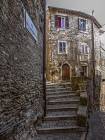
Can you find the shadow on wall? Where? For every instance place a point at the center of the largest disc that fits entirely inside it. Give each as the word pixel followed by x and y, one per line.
pixel 99 99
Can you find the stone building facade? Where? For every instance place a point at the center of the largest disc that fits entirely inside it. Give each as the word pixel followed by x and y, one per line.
pixel 69 44
pixel 21 67
pixel 102 56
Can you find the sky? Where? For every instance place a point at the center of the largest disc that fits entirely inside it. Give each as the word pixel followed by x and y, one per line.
pixel 85 6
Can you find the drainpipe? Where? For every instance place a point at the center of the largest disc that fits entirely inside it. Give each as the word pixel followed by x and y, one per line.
pixel 93 58
pixel 44 60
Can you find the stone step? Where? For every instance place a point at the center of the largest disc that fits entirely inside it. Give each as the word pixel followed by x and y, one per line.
pixel 59 92
pixel 60 113
pixel 54 84
pixel 58 88
pixel 58 85
pixel 70 129
pixel 60 96
pixel 61 117
pixel 62 107
pixel 57 123
pixel 66 99
pixel 62 101
pixel 59 136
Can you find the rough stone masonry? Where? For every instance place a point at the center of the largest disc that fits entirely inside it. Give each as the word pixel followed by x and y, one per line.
pixel 21 89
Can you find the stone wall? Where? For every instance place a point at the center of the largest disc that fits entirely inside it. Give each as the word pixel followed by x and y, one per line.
pixel 21 75
pixel 73 36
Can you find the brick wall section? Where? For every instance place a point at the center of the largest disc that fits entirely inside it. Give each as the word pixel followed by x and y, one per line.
pixel 21 93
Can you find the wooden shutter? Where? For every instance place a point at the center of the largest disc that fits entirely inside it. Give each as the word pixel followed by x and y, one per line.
pixel 67 22
pixel 56 21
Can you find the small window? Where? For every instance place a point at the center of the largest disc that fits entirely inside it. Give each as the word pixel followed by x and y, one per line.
pixel 61 22
pixel 62 47
pixel 84 49
pixel 82 24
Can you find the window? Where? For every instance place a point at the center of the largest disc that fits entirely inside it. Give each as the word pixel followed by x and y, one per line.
pixel 62 47
pixel 61 22
pixel 82 24
pixel 84 49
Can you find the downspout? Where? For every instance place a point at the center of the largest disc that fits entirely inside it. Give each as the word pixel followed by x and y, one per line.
pixel 93 59
pixel 44 60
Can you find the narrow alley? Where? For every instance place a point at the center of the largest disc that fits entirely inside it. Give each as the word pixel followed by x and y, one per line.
pixel 61 117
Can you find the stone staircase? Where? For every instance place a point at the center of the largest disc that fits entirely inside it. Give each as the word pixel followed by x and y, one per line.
pixel 61 117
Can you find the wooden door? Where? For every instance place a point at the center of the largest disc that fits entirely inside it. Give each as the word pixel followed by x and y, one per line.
pixel 65 72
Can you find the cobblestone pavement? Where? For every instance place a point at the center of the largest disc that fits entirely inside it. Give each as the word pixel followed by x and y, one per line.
pixel 97 126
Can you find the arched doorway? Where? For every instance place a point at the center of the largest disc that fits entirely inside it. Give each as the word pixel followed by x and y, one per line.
pixel 65 72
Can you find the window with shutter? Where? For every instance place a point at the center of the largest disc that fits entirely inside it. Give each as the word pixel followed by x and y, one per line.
pixel 61 22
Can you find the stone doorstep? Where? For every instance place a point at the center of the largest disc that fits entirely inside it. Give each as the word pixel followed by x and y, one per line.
pixel 73 129
pixel 61 117
pixel 72 101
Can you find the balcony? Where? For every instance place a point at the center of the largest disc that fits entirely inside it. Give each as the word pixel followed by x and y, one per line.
pixel 84 57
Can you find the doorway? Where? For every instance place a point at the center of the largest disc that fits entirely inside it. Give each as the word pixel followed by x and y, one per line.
pixel 84 70
pixel 65 72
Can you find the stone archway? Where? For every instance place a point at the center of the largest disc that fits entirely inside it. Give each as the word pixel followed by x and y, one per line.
pixel 65 72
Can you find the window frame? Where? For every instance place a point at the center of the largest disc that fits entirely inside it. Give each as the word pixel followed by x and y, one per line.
pixel 65 47
pixel 84 49
pixel 82 30
pixel 62 17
